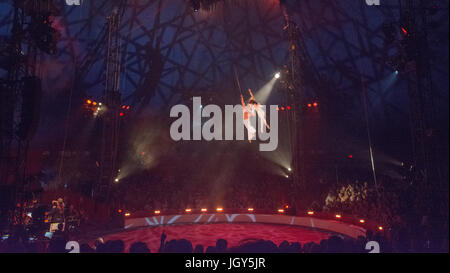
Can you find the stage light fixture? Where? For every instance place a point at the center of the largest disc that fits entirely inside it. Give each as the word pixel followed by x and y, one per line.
pixel 289 169
pixel 127 214
pixel 157 212
pixel 204 210
pixel 338 216
pixel 88 101
pixel 380 228
pixel 94 103
pixel 309 105
pixel 116 180
pixel 315 104
pixel 362 221
pixel 310 212
pixel 250 209
pixel 188 210
pixel 277 75
pixel 281 210
pixel 219 209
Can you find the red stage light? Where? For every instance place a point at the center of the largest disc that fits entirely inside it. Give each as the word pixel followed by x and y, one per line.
pixel 288 107
pixel 88 101
pixel 286 207
pixel 121 114
pixel 119 211
pixel 94 103
pixel 404 31
pixel 350 156
pixel 309 105
pixel 282 108
pixel 315 104
pixel 128 107
pixel 123 106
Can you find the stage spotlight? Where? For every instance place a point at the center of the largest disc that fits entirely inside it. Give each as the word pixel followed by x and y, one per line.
pixel 289 169
pixel 157 212
pixel 277 75
pixel 204 210
pixel 121 114
pixel 116 180
pixel 188 210
pixel 281 210
pixel 338 216
pixel 219 209
pixel 396 72
pixel 127 214
pixel 99 104
pixel 88 101
pixel 250 209
pixel 119 211
pixel 310 212
pixel 94 103
pixel 315 104
pixel 309 105
pixel 380 228
pixel 287 176
pixel 362 221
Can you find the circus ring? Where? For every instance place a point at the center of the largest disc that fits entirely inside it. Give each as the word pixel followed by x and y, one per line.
pixel 206 228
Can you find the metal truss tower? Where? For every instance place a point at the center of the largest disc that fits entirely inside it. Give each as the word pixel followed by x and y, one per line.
pixel 111 118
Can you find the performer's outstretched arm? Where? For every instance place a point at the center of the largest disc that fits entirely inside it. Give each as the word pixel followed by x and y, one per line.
pixel 251 94
pixel 242 102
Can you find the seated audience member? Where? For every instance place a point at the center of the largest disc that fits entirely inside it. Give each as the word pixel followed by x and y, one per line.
pixel 139 247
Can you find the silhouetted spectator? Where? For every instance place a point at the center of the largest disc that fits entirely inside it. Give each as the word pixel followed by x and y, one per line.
pixel 139 247
pixel 221 246
pixel 198 249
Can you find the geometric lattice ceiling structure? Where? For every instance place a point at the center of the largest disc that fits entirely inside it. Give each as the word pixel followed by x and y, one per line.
pixel 170 51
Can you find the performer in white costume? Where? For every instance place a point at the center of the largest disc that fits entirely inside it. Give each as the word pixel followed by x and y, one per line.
pixel 250 110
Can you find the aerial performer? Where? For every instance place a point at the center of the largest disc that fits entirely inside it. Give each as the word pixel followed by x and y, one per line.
pixel 250 110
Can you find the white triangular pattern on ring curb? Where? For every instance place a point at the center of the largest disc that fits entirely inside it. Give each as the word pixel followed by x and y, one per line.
pixel 198 218
pixel 149 222
pixel 251 216
pixel 292 220
pixel 173 219
pixel 211 217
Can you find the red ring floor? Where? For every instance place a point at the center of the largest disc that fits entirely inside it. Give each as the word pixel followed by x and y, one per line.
pixel 207 234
